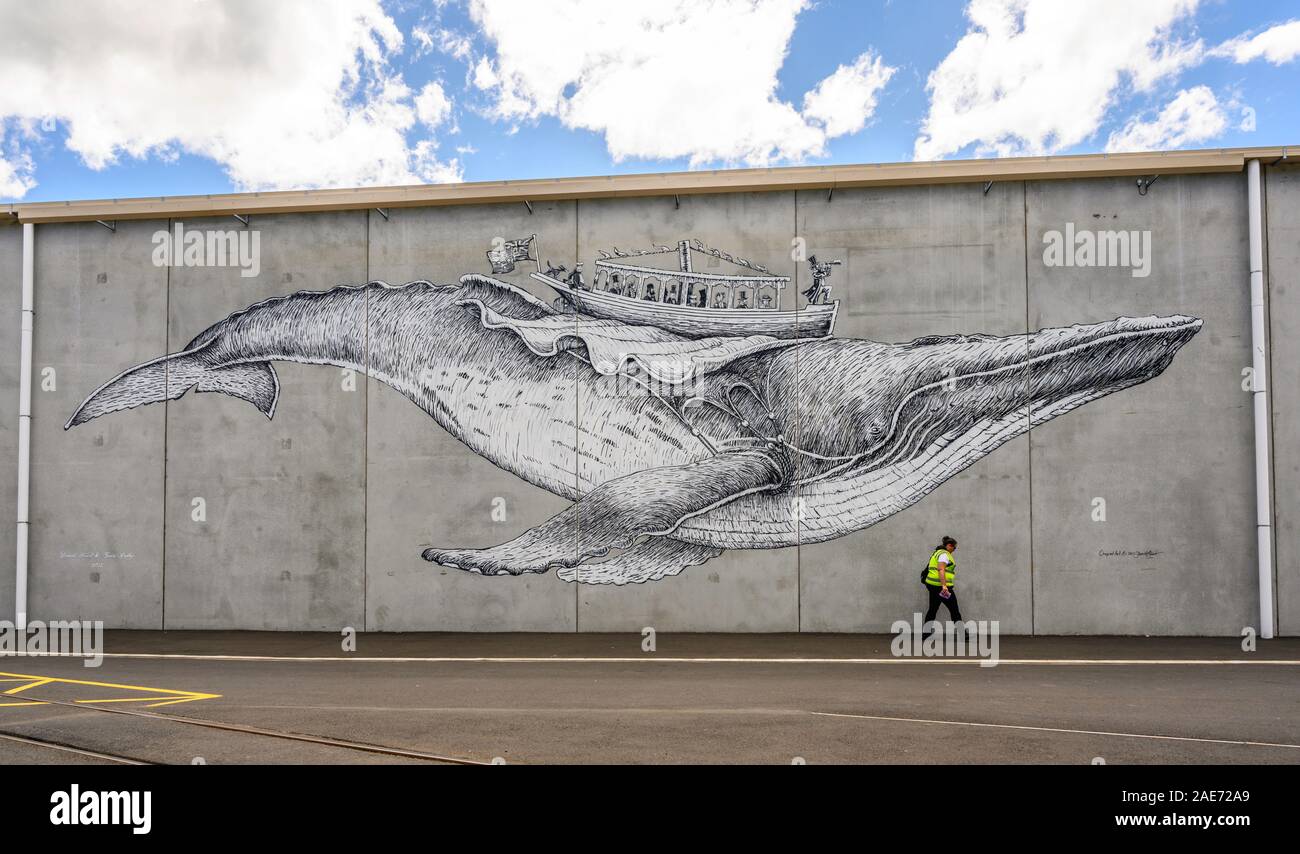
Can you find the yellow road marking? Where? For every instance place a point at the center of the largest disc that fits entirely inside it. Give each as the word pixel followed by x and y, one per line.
pixel 164 696
pixel 169 700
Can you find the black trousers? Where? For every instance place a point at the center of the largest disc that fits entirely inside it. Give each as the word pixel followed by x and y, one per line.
pixel 954 611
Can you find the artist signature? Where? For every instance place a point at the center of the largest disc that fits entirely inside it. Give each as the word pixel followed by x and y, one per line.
pixel 1145 553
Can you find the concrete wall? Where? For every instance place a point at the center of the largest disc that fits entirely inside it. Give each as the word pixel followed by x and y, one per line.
pixel 97 494
pixel 1282 191
pixel 926 261
pixel 1173 460
pixel 426 488
pixel 747 591
pixel 11 271
pixel 316 519
pixel 283 541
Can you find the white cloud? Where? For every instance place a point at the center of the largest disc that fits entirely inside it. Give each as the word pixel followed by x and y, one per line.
pixel 16 170
pixel 1278 45
pixel 1037 76
pixel 664 79
pixel 423 39
pixel 844 101
pixel 484 77
pixel 454 44
pixel 432 170
pixel 1194 115
pixel 432 106
pixel 284 94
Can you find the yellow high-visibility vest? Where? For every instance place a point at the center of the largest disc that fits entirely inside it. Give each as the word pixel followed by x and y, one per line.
pixel 932 578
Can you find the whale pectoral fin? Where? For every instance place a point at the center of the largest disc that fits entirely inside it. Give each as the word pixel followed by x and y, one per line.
pixel 649 560
pixel 617 514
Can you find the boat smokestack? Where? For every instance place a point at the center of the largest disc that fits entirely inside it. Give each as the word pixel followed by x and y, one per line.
pixel 684 256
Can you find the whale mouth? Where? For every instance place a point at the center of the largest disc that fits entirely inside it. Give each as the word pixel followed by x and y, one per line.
pixel 1001 387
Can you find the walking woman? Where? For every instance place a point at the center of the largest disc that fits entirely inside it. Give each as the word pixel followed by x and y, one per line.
pixel 939 579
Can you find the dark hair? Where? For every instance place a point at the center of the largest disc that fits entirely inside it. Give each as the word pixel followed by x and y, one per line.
pixel 946 541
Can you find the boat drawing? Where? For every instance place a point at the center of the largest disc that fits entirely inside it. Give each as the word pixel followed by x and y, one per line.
pixel 686 302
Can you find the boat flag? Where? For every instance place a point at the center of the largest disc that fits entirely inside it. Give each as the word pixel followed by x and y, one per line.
pixel 504 253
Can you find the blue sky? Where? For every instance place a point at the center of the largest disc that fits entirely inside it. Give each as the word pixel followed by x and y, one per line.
pixel 112 99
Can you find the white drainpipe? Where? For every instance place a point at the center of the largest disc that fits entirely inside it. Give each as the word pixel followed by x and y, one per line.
pixel 25 424
pixel 1259 387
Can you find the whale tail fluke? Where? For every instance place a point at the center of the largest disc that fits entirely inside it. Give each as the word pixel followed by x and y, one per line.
pixel 169 377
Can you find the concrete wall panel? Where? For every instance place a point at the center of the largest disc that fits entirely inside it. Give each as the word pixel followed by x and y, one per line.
pixel 924 261
pixel 282 546
pixel 11 271
pixel 1170 458
pixel 1282 191
pixel 426 488
pixel 97 490
pixel 754 590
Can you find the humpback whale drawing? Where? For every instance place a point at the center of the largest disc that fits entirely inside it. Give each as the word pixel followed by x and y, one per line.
pixel 672 449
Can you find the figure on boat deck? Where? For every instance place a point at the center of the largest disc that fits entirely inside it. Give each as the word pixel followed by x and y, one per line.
pixel 574 279
pixel 819 291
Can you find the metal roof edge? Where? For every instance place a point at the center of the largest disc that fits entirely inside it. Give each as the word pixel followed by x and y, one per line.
pixel 652 184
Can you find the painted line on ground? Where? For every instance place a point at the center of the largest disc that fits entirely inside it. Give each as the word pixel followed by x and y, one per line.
pixel 170 696
pixel 53 745
pixel 1071 662
pixel 326 740
pixel 1057 730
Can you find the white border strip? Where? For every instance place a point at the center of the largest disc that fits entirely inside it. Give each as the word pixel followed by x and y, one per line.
pixel 659 659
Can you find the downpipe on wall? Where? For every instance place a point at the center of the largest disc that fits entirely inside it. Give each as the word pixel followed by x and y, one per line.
pixel 25 424
pixel 1259 389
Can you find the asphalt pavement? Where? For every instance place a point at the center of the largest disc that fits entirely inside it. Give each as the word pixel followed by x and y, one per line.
pixel 271 697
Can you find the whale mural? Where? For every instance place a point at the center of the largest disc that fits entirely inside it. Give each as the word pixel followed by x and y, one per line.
pixel 686 446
